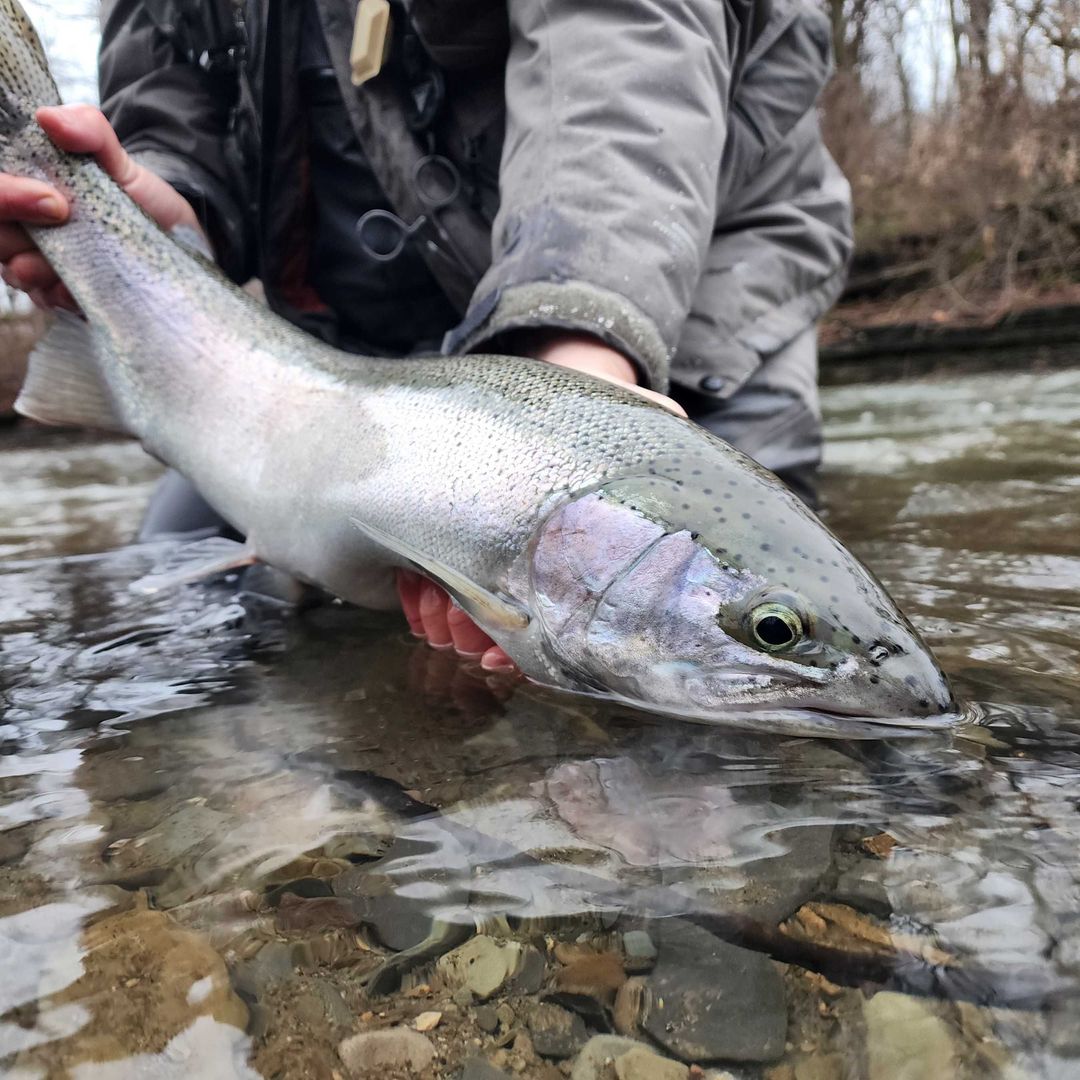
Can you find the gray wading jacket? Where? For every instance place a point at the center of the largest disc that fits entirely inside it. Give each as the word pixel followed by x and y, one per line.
pixel 649 172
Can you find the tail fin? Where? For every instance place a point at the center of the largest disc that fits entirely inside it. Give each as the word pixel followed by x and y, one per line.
pixel 25 82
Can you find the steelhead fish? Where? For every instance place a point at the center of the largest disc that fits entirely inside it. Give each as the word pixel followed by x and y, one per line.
pixel 608 546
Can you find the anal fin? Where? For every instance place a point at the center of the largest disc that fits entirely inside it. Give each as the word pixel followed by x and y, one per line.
pixel 196 561
pixel 63 382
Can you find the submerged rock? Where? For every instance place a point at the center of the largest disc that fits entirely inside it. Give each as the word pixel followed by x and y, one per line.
pixel 479 1069
pixel 374 1053
pixel 638 950
pixel 711 1001
pixel 145 981
pixel 482 965
pixel 598 1056
pixel 643 1064
pixel 598 975
pixel 906 1039
pixel 556 1033
pixel 399 922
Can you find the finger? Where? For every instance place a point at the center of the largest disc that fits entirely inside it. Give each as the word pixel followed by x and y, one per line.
pixel 439 674
pixel 29 271
pixel 433 605
pixel 497 660
pixel 14 240
pixel 31 201
pixel 83 129
pixel 409 585
pixel 56 297
pixel 468 638
pixel 671 405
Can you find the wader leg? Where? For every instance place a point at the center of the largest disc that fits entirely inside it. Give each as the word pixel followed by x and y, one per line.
pixel 774 417
pixel 176 511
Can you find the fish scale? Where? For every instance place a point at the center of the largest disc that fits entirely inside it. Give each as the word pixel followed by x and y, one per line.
pixel 508 481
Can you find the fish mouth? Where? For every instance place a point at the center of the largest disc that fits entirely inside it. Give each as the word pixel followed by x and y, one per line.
pixel 808 721
pixel 824 723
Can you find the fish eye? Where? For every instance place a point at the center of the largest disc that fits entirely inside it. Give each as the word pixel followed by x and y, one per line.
pixel 775 627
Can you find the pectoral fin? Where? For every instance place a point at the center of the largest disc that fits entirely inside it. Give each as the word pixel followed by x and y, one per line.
pixel 490 611
pixel 63 384
pixel 195 562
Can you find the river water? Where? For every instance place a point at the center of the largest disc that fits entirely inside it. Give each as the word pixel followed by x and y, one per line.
pixel 236 841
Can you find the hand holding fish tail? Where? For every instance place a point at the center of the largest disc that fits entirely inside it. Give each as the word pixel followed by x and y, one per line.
pixel 80 129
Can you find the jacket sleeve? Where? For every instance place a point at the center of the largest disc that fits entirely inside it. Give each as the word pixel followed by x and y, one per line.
pixel 616 123
pixel 173 119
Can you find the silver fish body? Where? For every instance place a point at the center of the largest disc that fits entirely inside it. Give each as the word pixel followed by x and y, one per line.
pixel 610 547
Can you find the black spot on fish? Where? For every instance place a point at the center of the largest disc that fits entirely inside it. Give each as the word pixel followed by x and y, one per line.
pixel 766 547
pixel 874 680
pixel 706 491
pixel 911 681
pixel 746 517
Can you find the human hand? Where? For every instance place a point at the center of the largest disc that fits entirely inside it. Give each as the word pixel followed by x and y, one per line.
pixel 80 129
pixel 432 615
pixel 430 611
pixel 583 352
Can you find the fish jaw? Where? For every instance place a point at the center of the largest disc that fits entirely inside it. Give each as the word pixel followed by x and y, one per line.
pixel 641 611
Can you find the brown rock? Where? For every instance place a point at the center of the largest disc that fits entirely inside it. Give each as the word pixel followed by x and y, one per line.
pixel 145 981
pixel 879 846
pixel 842 927
pixel 629 1005
pixel 318 913
pixel 599 975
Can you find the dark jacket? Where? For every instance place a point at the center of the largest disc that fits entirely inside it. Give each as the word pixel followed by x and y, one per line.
pixel 651 173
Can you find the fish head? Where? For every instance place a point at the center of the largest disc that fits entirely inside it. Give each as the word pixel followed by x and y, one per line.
pixel 663 593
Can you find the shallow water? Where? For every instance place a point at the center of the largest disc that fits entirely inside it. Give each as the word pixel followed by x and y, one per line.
pixel 231 838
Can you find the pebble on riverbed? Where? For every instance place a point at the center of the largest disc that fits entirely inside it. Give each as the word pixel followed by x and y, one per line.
pixel 376 1053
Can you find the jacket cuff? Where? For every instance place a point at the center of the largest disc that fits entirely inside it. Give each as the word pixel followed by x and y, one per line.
pixel 570 305
pixel 215 208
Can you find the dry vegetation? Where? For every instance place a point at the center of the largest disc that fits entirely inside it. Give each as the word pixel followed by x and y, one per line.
pixel 958 123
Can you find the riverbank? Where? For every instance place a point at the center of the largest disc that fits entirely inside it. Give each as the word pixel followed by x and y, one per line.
pixel 920 334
